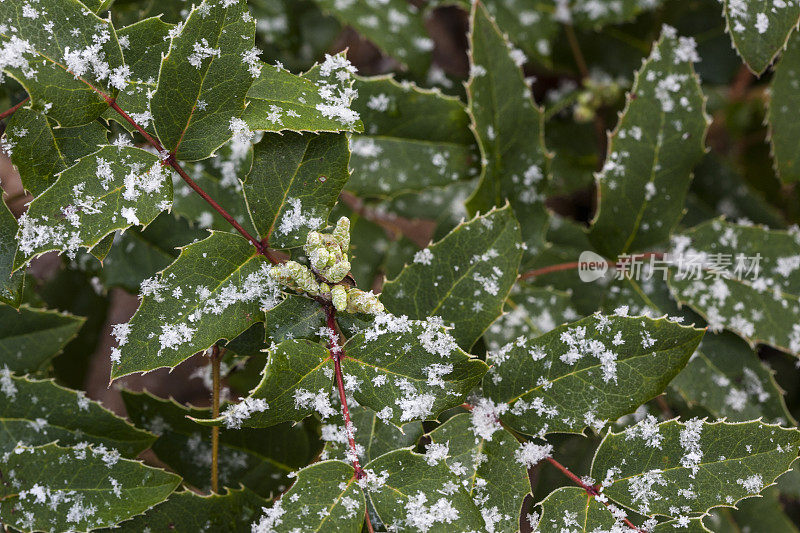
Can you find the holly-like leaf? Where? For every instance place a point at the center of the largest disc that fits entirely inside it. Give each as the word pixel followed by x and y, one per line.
pixel 258 459
pixel 414 139
pixel 582 374
pixel 510 132
pixel 325 497
pixel 659 138
pixel 216 289
pixel 77 489
pixel 294 183
pixel 204 78
pixel 573 509
pixel 41 151
pixel 530 311
pixel 65 56
pixel 406 490
pixel 317 101
pixel 296 317
pixel 10 282
pixel 111 189
pixel 394 26
pixel 490 466
pixel 727 379
pixel 464 278
pixel 783 100
pixel 39 412
pixel 189 512
pixel 30 338
pixel 677 468
pixel 143 44
pixel 530 25
pixel 760 29
pixel 373 436
pixel 726 264
pixel 593 15
pixel 408 370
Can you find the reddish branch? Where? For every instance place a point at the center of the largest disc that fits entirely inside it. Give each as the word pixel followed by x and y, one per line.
pixel 10 111
pixel 575 264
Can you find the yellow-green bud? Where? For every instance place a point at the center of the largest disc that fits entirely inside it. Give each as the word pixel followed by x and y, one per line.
pixel 359 301
pixel 342 233
pixel 319 258
pixel 339 297
pixel 338 271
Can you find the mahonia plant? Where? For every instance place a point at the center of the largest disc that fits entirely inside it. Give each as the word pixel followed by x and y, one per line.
pixel 544 277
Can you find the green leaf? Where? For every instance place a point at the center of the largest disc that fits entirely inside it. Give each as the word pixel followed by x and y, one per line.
pixel 760 29
pixel 30 338
pixel 10 282
pixel 408 492
pixel 394 26
pixel 757 514
pixel 464 278
pixel 68 57
pixel 294 183
pixel 39 412
pixel 489 468
pixel 772 315
pixel 530 25
pixel 258 459
pixel 41 150
pixel 143 44
pixel 593 15
pixel 408 370
pixel 203 80
pixel 783 100
pixel 279 100
pixel 583 374
pixel 296 317
pixel 659 138
pixel 111 189
pixel 726 377
pixel 530 311
pixel 415 139
pixel 215 289
pixel 189 512
pixel 510 132
pixel 573 509
pixel 325 497
pixel 676 468
pixel 77 489
pixel 140 254
pixel 373 436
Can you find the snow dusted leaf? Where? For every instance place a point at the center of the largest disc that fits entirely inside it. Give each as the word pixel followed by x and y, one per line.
pixel 530 311
pixel 325 497
pixel 319 100
pixel 30 338
pixel 39 412
pixel 490 463
pixel 573 509
pixel 760 29
pixel 111 189
pixel 692 525
pixel 394 26
pixel 203 80
pixel 783 101
pixel 294 183
pixel 510 132
pixel 64 56
pixel 583 374
pixel 594 15
pixel 296 317
pixel 408 369
pixel 41 150
pixel 138 255
pixel 143 44
pixel 769 283
pixel 530 25
pixel 726 377
pixel 413 495
pixel 216 289
pixel 189 512
pixel 373 436
pixel 414 139
pixel 77 489
pixel 758 514
pixel 10 282
pixel 659 138
pixel 257 458
pixel 678 468
pixel 464 278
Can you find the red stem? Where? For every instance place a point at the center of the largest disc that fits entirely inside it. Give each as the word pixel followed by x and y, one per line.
pixel 575 264
pixel 10 111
